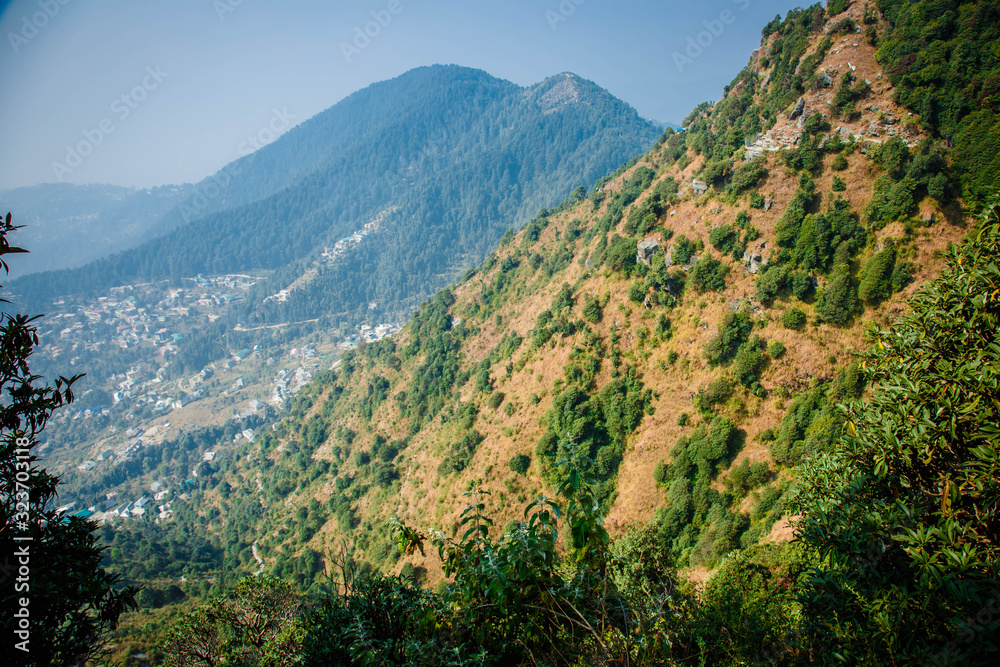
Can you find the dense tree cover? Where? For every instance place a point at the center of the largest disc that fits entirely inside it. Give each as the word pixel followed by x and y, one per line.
pixel 942 57
pixel 438 170
pixel 904 511
pixel 58 601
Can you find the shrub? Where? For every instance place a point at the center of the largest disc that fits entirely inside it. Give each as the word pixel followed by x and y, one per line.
pixel 748 175
pixel 621 255
pixel 708 273
pixel 519 463
pixel 838 184
pixel 592 310
pixel 735 329
pixel 876 277
pixel 839 163
pixel 683 250
pixel 775 349
pixel 637 291
pixel 724 238
pixel 495 399
pixel 660 472
pixel 756 200
pixel 793 318
pixel 718 391
pixel 749 362
pixel 682 419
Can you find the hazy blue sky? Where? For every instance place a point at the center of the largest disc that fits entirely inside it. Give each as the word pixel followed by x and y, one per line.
pixel 167 91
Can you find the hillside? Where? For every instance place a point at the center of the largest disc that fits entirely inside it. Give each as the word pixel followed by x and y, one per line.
pixel 561 344
pixel 438 161
pixel 666 355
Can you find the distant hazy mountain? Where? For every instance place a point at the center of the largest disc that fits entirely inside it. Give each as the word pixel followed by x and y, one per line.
pixel 445 158
pixel 69 225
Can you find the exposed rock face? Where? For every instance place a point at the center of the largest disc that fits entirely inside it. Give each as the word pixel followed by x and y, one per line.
pixel 799 108
pixel 753 258
pixel 646 250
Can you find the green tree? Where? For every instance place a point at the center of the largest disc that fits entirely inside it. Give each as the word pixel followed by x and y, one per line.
pixel 876 283
pixel 58 602
pixel 256 623
pixel 904 513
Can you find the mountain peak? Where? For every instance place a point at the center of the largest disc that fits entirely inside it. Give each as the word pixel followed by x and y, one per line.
pixel 564 89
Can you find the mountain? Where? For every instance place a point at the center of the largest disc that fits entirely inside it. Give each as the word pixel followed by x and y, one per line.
pixel 611 427
pixel 66 226
pixel 440 161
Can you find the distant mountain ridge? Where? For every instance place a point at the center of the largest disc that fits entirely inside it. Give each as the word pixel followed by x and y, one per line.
pixel 457 154
pixel 69 225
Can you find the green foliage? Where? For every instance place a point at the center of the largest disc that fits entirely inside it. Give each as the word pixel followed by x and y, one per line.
pixel 876 277
pixel 748 176
pixel 735 329
pixel 460 453
pixel 747 476
pixel 683 250
pixel 637 291
pixel 793 318
pixel 644 218
pixel 838 301
pixel 724 238
pixel 941 56
pixel 71 600
pixel 748 608
pixel 592 311
pixel 749 362
pixel 257 622
pixel 582 426
pixel 838 184
pixel 775 349
pixel 519 463
pixel 891 200
pixel 708 273
pixel 495 399
pixel 904 511
pixel 621 255
pixel 718 391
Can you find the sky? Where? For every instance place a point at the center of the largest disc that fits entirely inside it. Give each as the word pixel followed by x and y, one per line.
pixel 143 93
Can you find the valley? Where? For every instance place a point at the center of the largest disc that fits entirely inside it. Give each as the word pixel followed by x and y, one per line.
pixel 506 375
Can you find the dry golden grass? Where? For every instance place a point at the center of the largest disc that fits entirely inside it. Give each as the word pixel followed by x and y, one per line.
pixel 429 501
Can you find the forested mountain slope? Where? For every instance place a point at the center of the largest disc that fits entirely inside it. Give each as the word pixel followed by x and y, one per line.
pixel 441 158
pixel 732 345
pixel 666 357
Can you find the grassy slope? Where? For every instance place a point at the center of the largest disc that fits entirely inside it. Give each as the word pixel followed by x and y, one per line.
pixel 425 498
